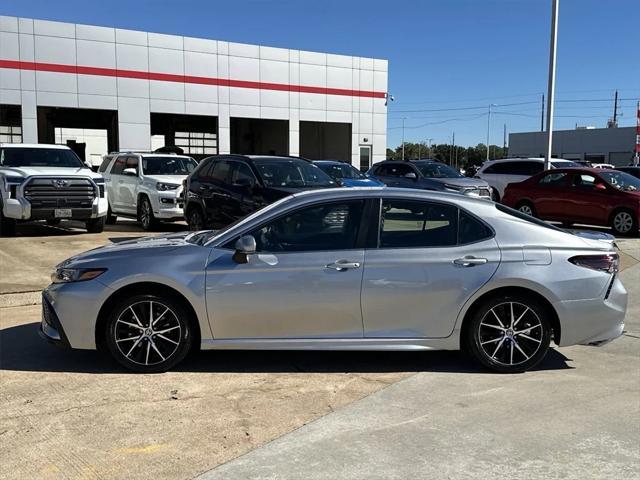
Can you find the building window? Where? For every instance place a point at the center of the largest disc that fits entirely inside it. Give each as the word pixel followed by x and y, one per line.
pixel 197 143
pixel 10 134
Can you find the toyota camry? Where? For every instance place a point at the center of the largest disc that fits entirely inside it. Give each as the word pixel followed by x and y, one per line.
pixel 344 269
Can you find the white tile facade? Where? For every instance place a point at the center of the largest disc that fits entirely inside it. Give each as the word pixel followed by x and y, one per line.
pixel 152 72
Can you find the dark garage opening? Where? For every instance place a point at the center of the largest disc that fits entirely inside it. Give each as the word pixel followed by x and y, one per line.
pixel 10 124
pixel 325 141
pixel 52 118
pixel 253 136
pixel 195 135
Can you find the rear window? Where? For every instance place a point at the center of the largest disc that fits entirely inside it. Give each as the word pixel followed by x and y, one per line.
pixel 525 217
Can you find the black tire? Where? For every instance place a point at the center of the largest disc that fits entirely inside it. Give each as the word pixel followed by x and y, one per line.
pixel 153 352
pixel 506 349
pixel 111 218
pixel 195 219
pixel 7 225
pixel 53 222
pixel 624 223
pixel 95 225
pixel 145 214
pixel 526 207
pixel 495 196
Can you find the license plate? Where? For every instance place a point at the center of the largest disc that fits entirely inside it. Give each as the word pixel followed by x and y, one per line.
pixel 62 213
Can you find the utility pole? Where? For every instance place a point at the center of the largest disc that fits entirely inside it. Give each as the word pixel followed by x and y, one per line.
pixel 615 110
pixel 552 81
pixel 542 115
pixel 489 126
pixel 403 119
pixel 504 140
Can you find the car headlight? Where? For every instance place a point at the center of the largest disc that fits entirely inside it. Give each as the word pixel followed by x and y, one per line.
pixel 68 275
pixel 8 180
pixel 166 186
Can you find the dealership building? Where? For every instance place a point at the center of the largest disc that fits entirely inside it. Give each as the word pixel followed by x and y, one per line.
pixel 112 89
pixel 597 145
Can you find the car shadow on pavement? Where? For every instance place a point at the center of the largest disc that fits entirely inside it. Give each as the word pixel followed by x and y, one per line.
pixel 69 227
pixel 22 349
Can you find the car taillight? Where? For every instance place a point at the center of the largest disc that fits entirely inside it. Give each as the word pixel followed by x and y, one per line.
pixel 608 262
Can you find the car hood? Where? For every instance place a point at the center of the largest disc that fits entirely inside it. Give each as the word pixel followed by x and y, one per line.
pixel 361 182
pixel 127 246
pixel 53 171
pixel 461 182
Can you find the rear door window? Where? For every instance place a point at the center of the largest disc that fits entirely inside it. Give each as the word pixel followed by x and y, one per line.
pixel 414 224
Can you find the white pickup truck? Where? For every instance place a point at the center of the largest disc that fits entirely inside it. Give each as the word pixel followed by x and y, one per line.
pixel 48 182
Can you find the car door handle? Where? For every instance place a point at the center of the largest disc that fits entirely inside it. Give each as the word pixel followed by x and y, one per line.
pixel 342 265
pixel 469 261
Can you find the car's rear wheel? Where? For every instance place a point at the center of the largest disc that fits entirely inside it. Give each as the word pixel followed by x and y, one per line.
pixel 148 333
pixel 111 218
pixel 95 225
pixel 195 219
pixel 509 334
pixel 623 222
pixel 527 208
pixel 145 214
pixel 7 225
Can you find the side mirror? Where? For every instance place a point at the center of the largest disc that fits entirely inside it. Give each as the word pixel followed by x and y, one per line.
pixel 410 175
pixel 130 171
pixel 245 246
pixel 600 186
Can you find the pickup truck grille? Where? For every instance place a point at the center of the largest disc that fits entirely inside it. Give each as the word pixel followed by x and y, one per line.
pixel 59 193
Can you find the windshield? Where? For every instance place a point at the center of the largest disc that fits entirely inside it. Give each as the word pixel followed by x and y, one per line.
pixel 340 171
pixel 168 165
pixel 621 181
pixel 437 170
pixel 291 173
pixel 40 157
pixel 566 164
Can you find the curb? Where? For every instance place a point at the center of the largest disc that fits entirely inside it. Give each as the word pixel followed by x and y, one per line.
pixel 21 299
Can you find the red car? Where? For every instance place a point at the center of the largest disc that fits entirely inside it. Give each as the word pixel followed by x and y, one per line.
pixel 580 195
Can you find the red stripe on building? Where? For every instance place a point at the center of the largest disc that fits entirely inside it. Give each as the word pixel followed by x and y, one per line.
pixel 167 77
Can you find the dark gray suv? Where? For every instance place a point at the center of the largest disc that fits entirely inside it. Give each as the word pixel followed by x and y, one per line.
pixel 428 175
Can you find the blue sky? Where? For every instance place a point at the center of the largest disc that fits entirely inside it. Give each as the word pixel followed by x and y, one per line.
pixel 447 59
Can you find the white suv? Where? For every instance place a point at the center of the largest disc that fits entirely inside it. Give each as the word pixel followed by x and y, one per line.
pixel 48 182
pixel 500 173
pixel 146 186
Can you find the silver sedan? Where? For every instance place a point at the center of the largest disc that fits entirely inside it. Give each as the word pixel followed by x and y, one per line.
pixel 344 269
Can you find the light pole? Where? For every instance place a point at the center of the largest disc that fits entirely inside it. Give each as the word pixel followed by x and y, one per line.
pixel 489 126
pixel 429 140
pixel 551 89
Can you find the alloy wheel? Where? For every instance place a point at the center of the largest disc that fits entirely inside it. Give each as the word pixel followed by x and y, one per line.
pixel 147 333
pixel 623 222
pixel 510 333
pixel 196 222
pixel 145 214
pixel 526 209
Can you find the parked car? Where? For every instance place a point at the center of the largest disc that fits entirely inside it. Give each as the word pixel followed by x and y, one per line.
pixel 631 170
pixel 331 270
pixel 500 173
pixel 584 163
pixel 607 166
pixel 428 175
pixel 146 186
pixel 51 183
pixel 346 174
pixel 225 188
pixel 580 195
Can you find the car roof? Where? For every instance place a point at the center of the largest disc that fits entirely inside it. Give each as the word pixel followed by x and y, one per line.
pixel 331 162
pixel 35 145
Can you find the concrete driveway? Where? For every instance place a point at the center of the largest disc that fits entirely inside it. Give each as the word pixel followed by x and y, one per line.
pixel 72 414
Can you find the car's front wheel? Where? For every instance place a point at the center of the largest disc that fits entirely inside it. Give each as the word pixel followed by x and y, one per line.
pixel 148 333
pixel 527 208
pixel 95 225
pixel 195 219
pixel 145 214
pixel 509 333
